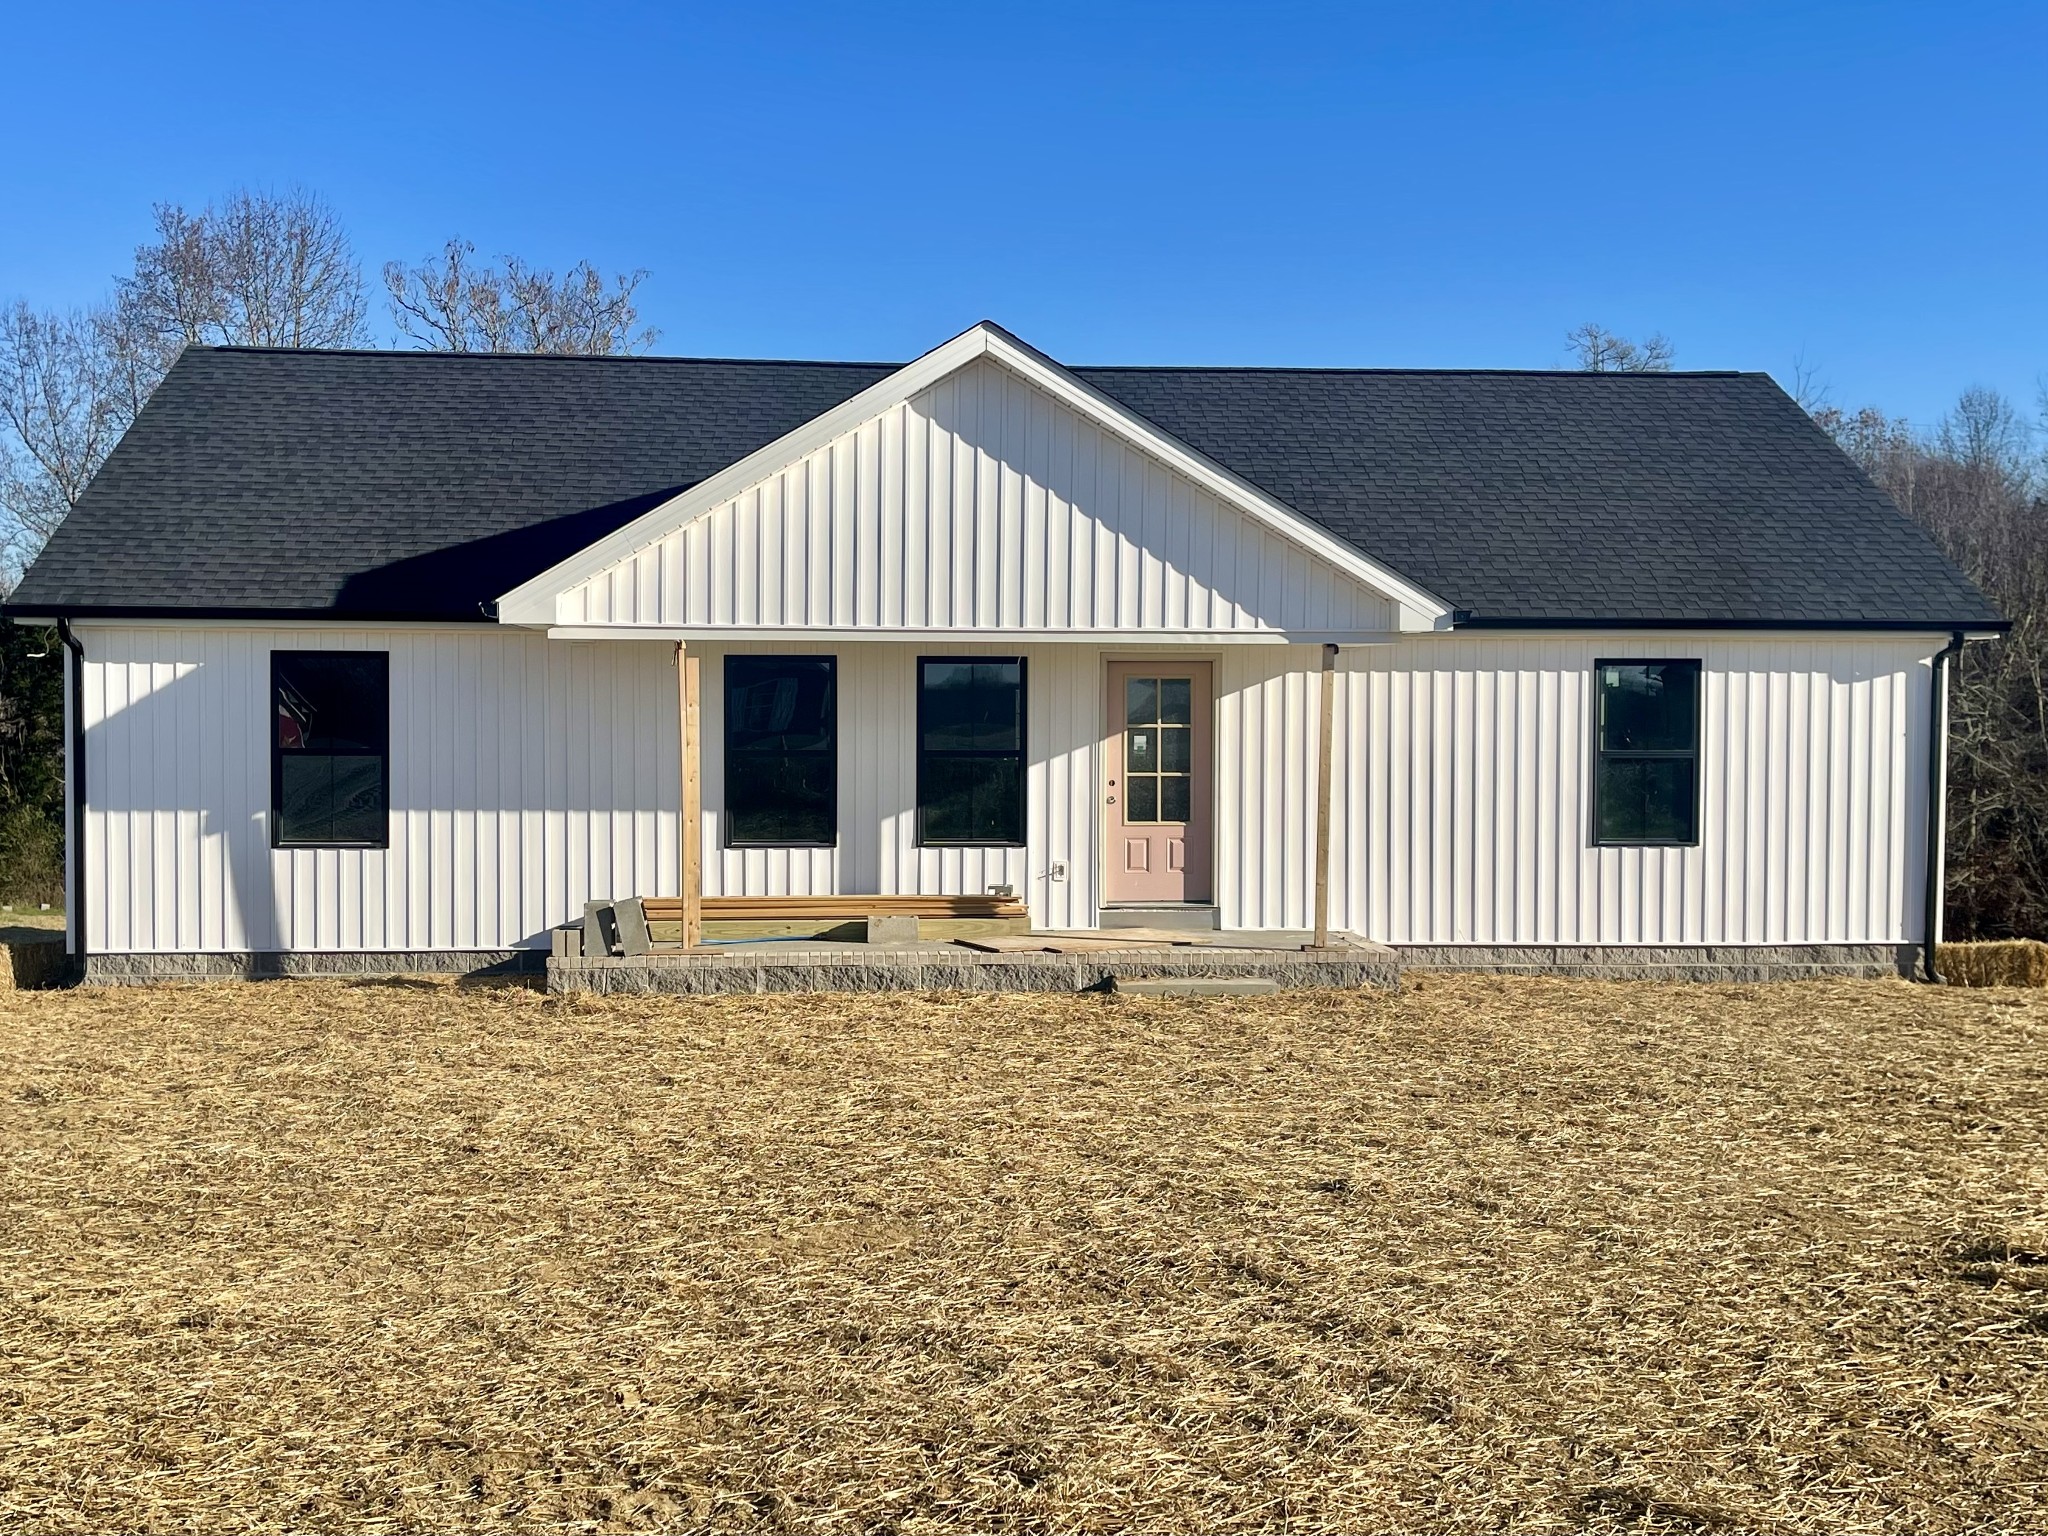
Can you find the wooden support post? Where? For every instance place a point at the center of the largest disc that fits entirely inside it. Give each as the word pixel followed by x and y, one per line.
pixel 691 832
pixel 1325 739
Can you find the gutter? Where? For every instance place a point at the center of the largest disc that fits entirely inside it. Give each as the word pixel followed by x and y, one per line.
pixel 75 755
pixel 1937 805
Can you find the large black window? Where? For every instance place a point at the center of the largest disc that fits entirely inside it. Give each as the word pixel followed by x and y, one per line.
pixel 781 751
pixel 1646 782
pixel 970 751
pixel 330 748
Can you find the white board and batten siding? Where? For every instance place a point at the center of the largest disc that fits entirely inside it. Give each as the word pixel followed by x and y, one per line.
pixel 979 504
pixel 528 774
pixel 1464 802
pixel 524 775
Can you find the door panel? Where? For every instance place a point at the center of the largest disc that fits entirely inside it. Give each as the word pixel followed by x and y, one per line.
pixel 1157 782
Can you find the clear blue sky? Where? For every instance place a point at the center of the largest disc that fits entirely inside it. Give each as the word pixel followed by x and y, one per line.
pixel 1862 184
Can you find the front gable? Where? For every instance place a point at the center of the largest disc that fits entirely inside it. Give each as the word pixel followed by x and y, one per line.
pixel 979 494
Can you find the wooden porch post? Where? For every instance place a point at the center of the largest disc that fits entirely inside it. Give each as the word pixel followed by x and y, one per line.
pixel 1327 712
pixel 690 835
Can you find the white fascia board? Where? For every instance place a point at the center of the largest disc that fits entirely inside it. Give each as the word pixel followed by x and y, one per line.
pixel 869 634
pixel 533 602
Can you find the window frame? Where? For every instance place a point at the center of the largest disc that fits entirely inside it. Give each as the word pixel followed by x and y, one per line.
pixel 279 753
pixel 726 751
pixel 1021 752
pixel 1601 753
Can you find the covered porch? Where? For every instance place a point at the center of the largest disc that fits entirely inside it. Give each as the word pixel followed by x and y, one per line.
pixel 1118 803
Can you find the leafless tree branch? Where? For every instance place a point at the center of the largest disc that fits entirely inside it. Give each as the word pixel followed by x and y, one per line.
pixel 1599 350
pixel 455 305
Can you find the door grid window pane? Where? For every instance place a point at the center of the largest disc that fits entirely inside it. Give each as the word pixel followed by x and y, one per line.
pixel 1159 755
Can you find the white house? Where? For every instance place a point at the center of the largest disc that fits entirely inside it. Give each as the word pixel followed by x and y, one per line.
pixel 377 653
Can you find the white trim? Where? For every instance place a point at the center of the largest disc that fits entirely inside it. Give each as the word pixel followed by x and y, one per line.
pixel 711 634
pixel 533 602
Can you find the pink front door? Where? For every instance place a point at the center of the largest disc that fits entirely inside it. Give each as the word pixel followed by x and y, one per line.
pixel 1157 787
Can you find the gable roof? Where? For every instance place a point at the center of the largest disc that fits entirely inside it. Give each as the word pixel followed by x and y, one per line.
pixel 425 485
pixel 534 600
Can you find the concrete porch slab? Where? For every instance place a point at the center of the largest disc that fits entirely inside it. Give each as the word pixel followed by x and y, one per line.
pixel 925 967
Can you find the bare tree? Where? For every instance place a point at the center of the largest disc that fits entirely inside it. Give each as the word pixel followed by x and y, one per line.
pixel 257 269
pixel 1809 389
pixel 1599 350
pixel 66 395
pixel 454 304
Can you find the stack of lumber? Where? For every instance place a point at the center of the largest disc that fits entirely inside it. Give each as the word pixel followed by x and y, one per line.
pixel 669 909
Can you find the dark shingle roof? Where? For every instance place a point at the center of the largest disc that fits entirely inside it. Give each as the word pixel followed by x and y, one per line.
pixel 423 485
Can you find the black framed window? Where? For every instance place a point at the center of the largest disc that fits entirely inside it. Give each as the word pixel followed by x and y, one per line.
pixel 970 750
pixel 781 751
pixel 1646 777
pixel 330 749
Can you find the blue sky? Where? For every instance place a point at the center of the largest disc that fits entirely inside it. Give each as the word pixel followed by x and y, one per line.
pixel 1434 185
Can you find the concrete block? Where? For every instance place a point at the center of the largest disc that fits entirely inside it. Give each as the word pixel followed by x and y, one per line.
pixel 630 917
pixel 891 928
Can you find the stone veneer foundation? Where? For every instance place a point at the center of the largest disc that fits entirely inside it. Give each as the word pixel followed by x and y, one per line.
pixel 270 964
pixel 1670 962
pixel 928 967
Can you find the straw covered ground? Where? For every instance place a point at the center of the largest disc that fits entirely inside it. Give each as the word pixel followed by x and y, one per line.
pixel 1489 1254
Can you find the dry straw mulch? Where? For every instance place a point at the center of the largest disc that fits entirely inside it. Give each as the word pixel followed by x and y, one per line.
pixel 1524 1254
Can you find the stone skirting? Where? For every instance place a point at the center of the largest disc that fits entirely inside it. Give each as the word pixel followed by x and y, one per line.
pixel 1671 962
pixel 859 968
pixel 844 969
pixel 261 965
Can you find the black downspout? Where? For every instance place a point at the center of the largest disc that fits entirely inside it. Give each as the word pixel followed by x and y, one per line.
pixel 75 890
pixel 1937 810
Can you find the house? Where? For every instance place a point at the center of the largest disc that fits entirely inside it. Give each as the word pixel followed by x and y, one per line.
pixel 383 653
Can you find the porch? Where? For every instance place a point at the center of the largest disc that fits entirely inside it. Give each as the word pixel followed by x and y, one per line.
pixel 636 946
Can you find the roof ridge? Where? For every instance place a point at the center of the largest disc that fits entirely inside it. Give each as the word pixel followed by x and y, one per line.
pixel 1509 373
pixel 442 354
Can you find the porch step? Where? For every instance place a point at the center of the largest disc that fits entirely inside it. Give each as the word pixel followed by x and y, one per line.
pixel 1159 914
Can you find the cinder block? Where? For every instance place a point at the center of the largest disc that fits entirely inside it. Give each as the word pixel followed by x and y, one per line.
pixel 892 928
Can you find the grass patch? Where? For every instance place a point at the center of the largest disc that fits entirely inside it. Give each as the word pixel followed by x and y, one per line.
pixel 1490 1253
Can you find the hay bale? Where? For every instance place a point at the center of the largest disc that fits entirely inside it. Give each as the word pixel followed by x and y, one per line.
pixel 31 959
pixel 1997 963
